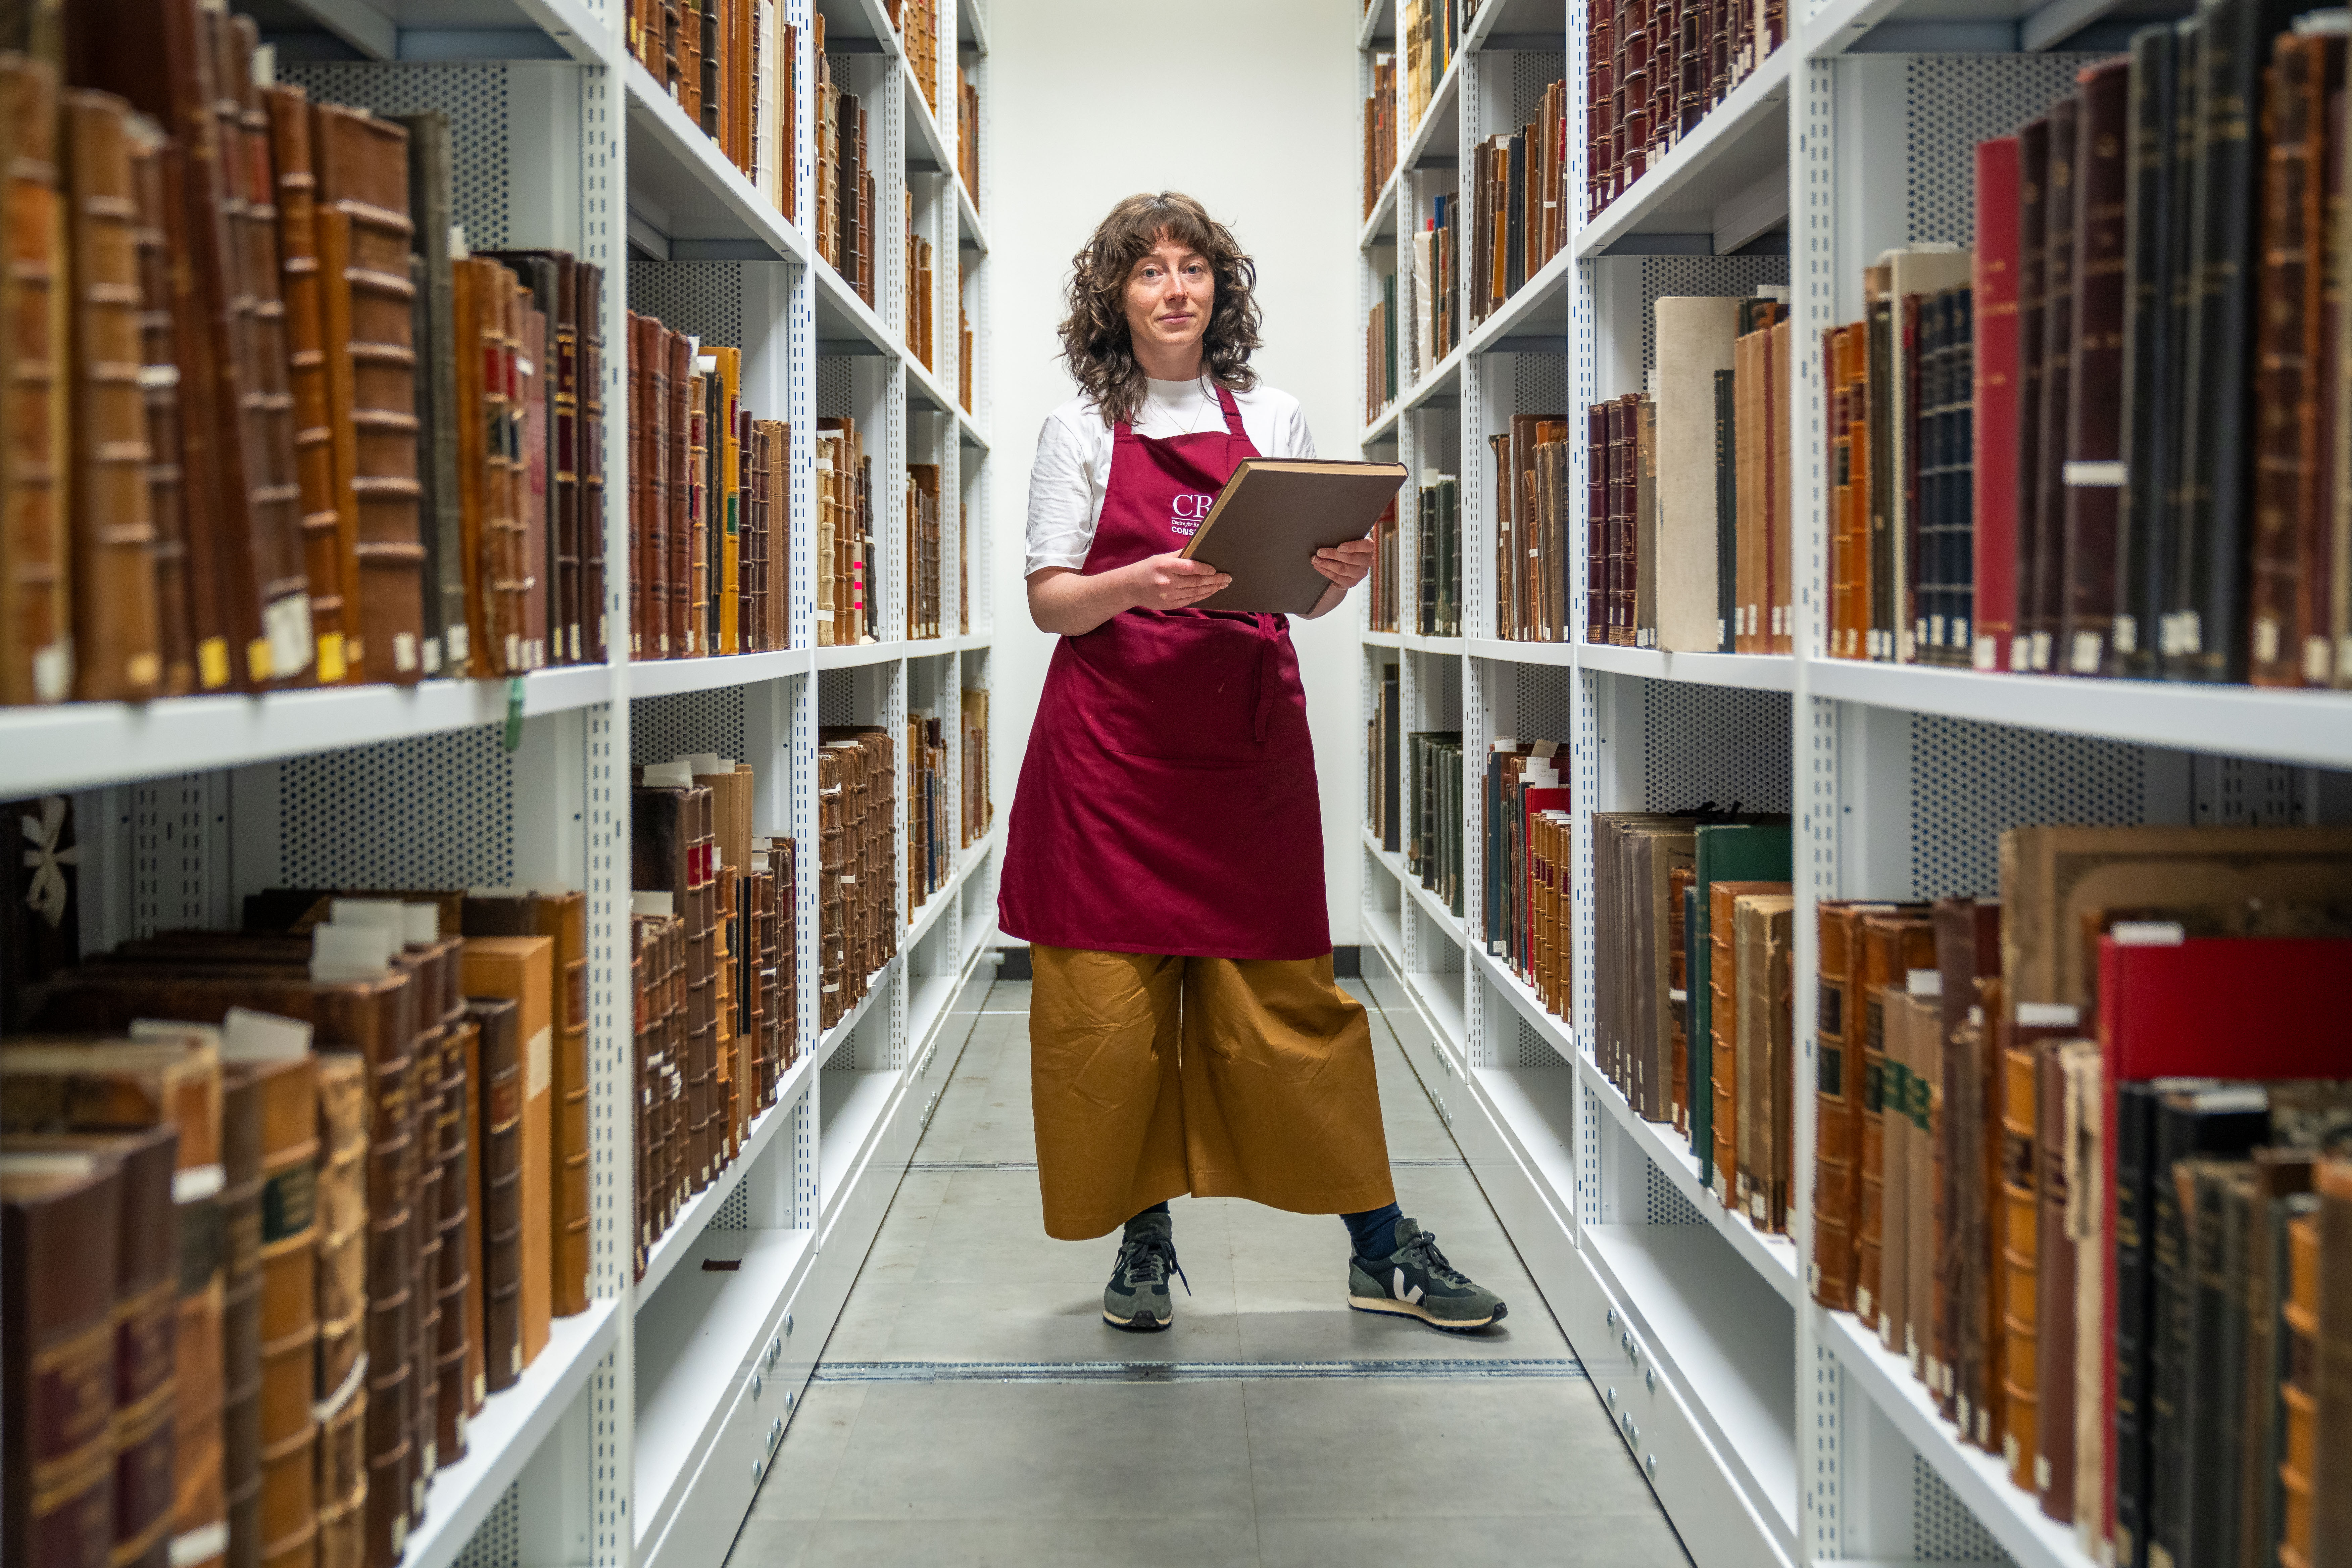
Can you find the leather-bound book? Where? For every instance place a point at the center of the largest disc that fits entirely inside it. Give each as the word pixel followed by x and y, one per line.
pixel 2053 1313
pixel 678 580
pixel 2092 479
pixel 554 279
pixel 2204 637
pixel 564 917
pixel 2300 1371
pixel 2279 1178
pixel 1968 951
pixel 1724 1061
pixel 117 655
pixel 499 1020
pixel 531 465
pixel 1780 1105
pixel 1891 1290
pixel 1894 942
pixel 171 80
pixel 2189 1121
pixel 2085 1219
pixel 441 525
pixel 146 1296
pixel 2037 213
pixel 2331 1507
pixel 2152 174
pixel 340 1389
pixel 473 330
pixel 593 610
pixel 2291 488
pixel 2218 1227
pixel 1994 430
pixel 240 1209
pixel 521 970
pixel 36 661
pixel 454 1404
pixel 470 1035
pixel 58 1085
pixel 152 157
pixel 1923 1302
pixel 2039 571
pixel 363 245
pixel 306 328
pixel 288 1255
pixel 59 1224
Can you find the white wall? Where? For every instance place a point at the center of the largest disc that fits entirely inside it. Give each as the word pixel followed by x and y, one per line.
pixel 1253 107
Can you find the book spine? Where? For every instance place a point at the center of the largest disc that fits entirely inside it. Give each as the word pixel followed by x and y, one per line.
pixel 314 440
pixel 2091 492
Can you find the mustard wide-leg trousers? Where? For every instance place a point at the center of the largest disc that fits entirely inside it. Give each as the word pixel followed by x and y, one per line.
pixel 1152 1077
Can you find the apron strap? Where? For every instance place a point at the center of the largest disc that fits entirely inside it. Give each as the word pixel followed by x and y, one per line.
pixel 1233 412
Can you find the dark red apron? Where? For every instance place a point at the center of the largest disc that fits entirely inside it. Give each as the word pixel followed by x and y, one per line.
pixel 1167 802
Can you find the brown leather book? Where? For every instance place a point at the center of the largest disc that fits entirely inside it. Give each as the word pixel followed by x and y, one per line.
pixel 1968 949
pixel 454 1404
pixel 500 1020
pixel 1779 961
pixel 363 245
pixel 2290 505
pixel 1893 942
pixel 678 532
pixel 594 614
pixel 35 623
pixel 565 918
pixel 1724 1029
pixel 152 157
pixel 521 970
pixel 240 1209
pixel 1922 1112
pixel 441 525
pixel 2331 1504
pixel 171 79
pixel 470 1043
pixel 1752 915
pixel 117 651
pixel 60 1220
pixel 1837 1104
pixel 287 1088
pixel 2299 1387
pixel 146 1308
pixel 555 280
pixel 306 364
pixel 470 300
pixel 506 571
pixel 339 1388
pixel 273 495
pixel 2054 1316
pixel 374 1012
pixel 535 478
pixel 2020 1240
pixel 53 1085
pixel 1678 885
pixel 1895 1167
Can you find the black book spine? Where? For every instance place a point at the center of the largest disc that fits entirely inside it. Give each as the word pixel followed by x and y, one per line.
pixel 1727 508
pixel 2040 574
pixel 2215 1443
pixel 2148 373
pixel 1514 194
pixel 2205 636
pixel 1960 535
pixel 2135 1122
pixel 2084 605
pixel 1881 332
pixel 2185 1126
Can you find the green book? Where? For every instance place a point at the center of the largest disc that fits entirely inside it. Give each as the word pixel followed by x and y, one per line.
pixel 1735 852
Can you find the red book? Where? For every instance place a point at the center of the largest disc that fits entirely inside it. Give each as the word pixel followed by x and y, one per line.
pixel 1994 302
pixel 1534 801
pixel 2239 1007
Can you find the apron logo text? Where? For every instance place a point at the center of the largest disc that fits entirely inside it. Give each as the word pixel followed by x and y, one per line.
pixel 1188 507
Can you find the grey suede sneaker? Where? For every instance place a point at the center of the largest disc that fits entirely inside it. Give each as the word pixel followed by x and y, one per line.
pixel 1416 1281
pixel 1137 1297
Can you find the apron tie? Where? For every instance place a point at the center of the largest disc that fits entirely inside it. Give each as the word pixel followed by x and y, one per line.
pixel 1269 640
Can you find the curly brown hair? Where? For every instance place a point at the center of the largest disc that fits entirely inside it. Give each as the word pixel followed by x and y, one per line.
pixel 1095 333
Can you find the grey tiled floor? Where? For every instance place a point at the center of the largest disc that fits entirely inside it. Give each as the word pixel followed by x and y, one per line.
pixel 1272 1472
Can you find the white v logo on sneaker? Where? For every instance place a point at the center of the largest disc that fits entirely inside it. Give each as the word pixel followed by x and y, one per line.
pixel 1410 1298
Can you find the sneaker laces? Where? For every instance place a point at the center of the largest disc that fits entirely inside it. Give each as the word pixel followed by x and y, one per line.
pixel 1148 1259
pixel 1422 1250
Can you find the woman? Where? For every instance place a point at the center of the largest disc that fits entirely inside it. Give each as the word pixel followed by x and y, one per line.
pixel 1165 854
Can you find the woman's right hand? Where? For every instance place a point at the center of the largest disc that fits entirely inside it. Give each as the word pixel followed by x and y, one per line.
pixel 1171 583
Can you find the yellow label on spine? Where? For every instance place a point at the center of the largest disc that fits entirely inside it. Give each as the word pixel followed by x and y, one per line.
pixel 258 665
pixel 211 662
pixel 331 668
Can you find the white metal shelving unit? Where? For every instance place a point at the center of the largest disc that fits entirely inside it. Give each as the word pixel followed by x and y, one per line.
pixel 1772 1431
pixel 641 1433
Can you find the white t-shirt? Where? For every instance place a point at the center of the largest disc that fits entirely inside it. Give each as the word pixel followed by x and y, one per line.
pixel 1074 450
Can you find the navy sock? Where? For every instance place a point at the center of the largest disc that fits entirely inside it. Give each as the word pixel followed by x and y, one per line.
pixel 1160 1208
pixel 1373 1232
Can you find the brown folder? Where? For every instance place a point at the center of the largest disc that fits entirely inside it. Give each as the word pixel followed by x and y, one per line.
pixel 1264 527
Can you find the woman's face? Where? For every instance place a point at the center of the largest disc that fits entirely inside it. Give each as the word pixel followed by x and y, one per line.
pixel 1168 293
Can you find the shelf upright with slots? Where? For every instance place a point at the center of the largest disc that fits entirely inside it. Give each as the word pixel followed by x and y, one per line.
pixel 1771 1429
pixel 642 1432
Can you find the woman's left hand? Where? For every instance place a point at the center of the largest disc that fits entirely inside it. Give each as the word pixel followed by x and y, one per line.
pixel 1346 564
